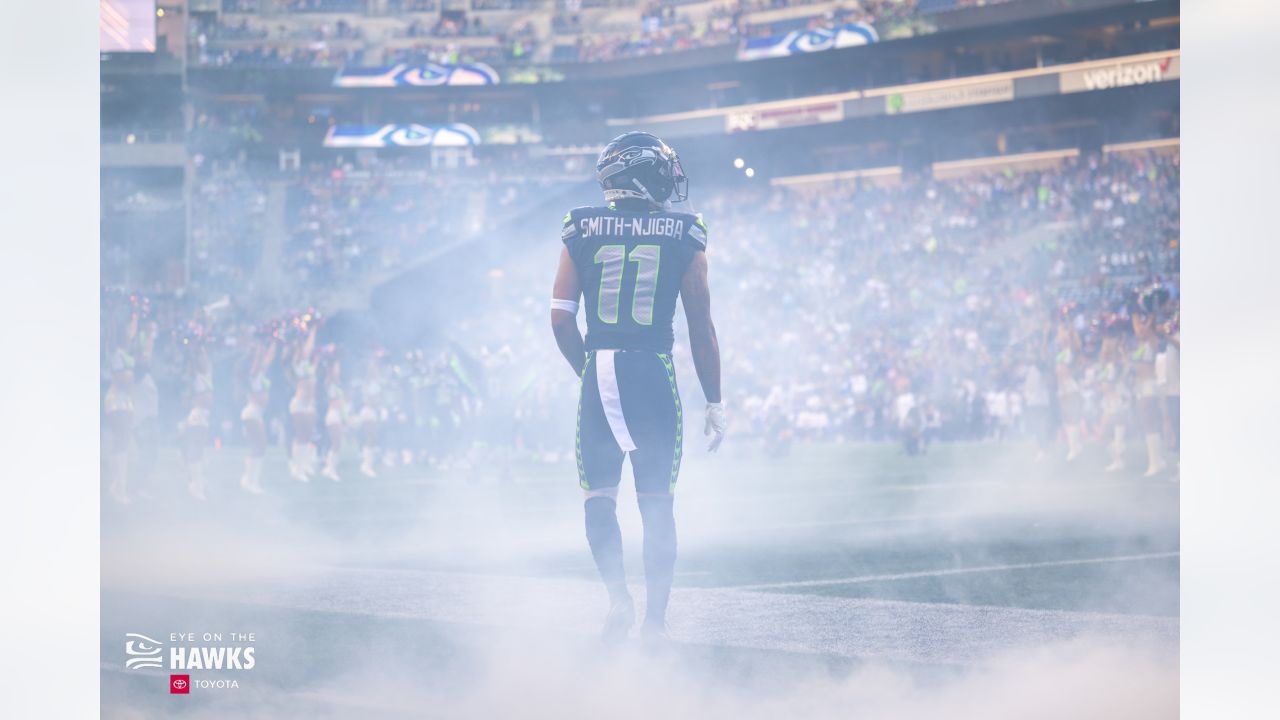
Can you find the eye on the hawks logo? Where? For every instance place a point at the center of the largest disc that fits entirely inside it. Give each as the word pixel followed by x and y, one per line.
pixel 179 684
pixel 143 652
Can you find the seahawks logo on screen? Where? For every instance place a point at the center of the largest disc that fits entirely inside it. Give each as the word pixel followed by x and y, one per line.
pixel 143 652
pixel 393 135
pixel 428 75
pixel 799 42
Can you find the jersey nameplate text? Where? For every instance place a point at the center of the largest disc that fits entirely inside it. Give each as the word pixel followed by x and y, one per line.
pixel 639 226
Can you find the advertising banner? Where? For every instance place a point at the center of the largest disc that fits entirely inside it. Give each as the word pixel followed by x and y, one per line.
pixel 781 116
pixel 1121 74
pixel 937 98
pixel 510 135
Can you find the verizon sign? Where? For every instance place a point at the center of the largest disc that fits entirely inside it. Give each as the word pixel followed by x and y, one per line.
pixel 1124 74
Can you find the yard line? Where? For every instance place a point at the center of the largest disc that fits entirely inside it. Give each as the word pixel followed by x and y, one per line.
pixel 884 519
pixel 955 571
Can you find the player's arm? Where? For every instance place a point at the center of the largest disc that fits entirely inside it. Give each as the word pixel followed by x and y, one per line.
pixel 270 355
pixel 703 343
pixel 310 346
pixel 564 313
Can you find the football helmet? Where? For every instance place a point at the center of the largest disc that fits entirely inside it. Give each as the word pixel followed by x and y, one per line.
pixel 639 166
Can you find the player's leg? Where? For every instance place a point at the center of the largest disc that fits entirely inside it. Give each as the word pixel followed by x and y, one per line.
pixel 255 435
pixel 1071 411
pixel 146 434
pixel 368 421
pixel 1113 423
pixel 301 413
pixel 599 458
pixel 333 426
pixel 655 418
pixel 1151 415
pixel 119 424
pixel 195 435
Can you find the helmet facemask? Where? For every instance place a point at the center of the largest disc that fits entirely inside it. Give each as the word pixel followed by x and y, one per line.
pixel 679 181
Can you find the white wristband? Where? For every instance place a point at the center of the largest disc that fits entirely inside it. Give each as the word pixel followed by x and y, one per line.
pixel 569 306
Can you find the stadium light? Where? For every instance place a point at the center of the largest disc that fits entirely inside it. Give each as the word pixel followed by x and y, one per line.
pixel 738 163
pixel 751 172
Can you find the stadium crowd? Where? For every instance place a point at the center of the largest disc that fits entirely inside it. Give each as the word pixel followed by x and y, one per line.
pixel 949 309
pixel 1038 305
pixel 660 28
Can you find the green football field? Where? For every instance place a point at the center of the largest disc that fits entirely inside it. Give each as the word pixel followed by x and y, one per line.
pixel 834 574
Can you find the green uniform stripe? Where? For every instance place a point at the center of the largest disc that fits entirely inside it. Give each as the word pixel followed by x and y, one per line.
pixel 582 472
pixel 675 395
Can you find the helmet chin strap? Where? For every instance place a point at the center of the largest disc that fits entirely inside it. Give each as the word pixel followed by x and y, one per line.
pixel 622 194
pixel 644 192
pixel 641 193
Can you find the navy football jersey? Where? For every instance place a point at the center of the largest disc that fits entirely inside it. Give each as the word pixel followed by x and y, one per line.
pixel 631 264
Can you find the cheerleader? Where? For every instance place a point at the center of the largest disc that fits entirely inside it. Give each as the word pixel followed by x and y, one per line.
pixel 1168 376
pixel 195 428
pixel 117 409
pixel 1150 414
pixel 335 417
pixel 1070 402
pixel 370 419
pixel 146 411
pixel 252 417
pixel 302 411
pixel 1115 400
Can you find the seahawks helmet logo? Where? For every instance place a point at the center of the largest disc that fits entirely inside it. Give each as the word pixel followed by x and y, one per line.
pixel 637 157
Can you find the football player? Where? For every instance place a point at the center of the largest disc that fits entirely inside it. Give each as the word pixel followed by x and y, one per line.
pixel 628 262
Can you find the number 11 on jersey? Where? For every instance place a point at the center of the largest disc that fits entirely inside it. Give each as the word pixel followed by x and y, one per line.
pixel 646 258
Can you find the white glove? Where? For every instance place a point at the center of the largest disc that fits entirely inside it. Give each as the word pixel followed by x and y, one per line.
pixel 716 423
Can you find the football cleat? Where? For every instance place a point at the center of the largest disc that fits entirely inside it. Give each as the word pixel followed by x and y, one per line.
pixel 654 637
pixel 622 615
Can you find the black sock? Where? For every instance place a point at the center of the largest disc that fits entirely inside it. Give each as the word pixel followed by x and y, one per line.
pixel 605 538
pixel 659 553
